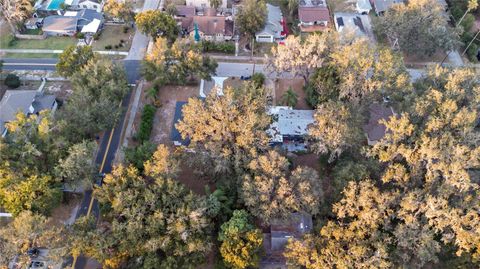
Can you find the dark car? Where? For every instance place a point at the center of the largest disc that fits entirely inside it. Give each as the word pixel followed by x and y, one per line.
pixel 33 252
pixel 245 77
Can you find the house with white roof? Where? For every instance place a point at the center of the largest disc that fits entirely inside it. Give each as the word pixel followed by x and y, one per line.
pixel 273 29
pixel 289 127
pixel 352 23
pixel 363 6
pixel 383 5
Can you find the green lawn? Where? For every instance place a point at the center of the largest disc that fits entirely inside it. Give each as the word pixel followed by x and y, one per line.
pixel 52 42
pixel 112 35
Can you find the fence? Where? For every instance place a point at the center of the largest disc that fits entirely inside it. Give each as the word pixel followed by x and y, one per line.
pixel 31 37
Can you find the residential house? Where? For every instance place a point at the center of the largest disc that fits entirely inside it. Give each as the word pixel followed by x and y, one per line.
pixel 210 28
pixel 207 86
pixel 72 22
pixel 289 127
pixel 26 101
pixel 352 23
pixel 90 4
pixel 363 6
pixel 280 232
pixel 204 3
pixel 374 129
pixel 184 11
pixel 383 5
pixel 313 15
pixel 274 27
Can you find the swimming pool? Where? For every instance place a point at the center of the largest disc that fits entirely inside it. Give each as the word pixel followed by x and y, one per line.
pixel 55 4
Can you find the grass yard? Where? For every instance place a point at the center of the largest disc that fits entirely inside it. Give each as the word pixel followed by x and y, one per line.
pixel 52 43
pixel 112 35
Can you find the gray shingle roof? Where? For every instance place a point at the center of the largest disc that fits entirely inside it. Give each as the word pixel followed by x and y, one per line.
pixel 59 23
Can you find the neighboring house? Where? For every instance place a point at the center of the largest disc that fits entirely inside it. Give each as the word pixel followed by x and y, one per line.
pixel 313 15
pixel 289 127
pixel 274 26
pixel 175 135
pixel 59 26
pixel 357 24
pixel 72 22
pixel 91 4
pixel 204 3
pixel 383 5
pixel 184 11
pixel 216 83
pixel 210 28
pixel 280 232
pixel 26 101
pixel 374 130
pixel 363 6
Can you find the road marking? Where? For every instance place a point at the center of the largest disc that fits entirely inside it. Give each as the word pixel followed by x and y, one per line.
pixel 89 211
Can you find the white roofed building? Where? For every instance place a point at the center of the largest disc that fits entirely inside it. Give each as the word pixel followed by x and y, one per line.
pixel 289 127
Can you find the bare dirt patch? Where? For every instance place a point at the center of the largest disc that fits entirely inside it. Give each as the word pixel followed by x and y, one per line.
pixel 169 96
pixel 282 86
pixel 415 59
pixel 61 89
pixel 66 211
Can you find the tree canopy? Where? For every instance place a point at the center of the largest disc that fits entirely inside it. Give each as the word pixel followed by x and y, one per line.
pixel 152 219
pixel 252 17
pixel 419 27
pixel 73 59
pixel 156 23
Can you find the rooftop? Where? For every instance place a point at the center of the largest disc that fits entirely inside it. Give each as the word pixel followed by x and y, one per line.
pixel 374 129
pixel 313 14
pixel 175 135
pixel 274 21
pixel 289 122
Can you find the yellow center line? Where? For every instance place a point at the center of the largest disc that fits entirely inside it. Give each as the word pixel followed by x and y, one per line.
pixel 92 197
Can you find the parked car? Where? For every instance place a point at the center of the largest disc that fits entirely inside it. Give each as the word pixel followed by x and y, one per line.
pixel 36 265
pixel 33 252
pixel 245 77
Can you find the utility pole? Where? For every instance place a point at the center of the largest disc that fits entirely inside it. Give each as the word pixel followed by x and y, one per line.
pixel 469 44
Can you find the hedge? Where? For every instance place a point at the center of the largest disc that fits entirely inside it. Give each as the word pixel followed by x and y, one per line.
pixel 12 81
pixel 224 47
pixel 146 123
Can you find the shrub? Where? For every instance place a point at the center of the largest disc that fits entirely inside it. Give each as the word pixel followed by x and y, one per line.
pixel 116 47
pixel 12 81
pixel 146 123
pixel 472 53
pixel 223 47
pixel 108 47
pixel 80 35
pixel 96 36
pixel 258 79
pixel 125 29
pixel 137 156
pixel 122 41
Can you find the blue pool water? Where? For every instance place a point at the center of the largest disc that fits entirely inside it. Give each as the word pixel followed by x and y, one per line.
pixel 55 4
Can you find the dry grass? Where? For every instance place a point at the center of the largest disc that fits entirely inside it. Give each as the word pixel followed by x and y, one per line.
pixel 282 85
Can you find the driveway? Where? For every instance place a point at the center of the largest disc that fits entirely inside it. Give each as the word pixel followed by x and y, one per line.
pixel 140 41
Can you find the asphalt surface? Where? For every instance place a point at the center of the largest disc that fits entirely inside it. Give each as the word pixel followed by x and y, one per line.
pixel 132 67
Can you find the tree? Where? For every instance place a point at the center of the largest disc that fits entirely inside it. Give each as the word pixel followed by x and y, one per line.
pixel 419 28
pixel 73 59
pixel 241 242
pixel 352 242
pixel 300 57
pixel 184 60
pixel 252 16
pixel 12 81
pixel 290 98
pixel 120 9
pixel 28 230
pixel 27 157
pixel 77 170
pixel 471 5
pixel 98 89
pixel 152 219
pixel 138 155
pixel 215 3
pixel 269 192
pixel 430 152
pixel 156 23
pixel 16 11
pixel 336 129
pixel 218 129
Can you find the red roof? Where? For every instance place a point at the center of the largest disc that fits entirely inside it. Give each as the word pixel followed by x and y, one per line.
pixel 312 14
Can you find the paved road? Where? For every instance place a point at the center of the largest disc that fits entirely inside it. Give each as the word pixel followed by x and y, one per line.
pixel 132 68
pixel 140 41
